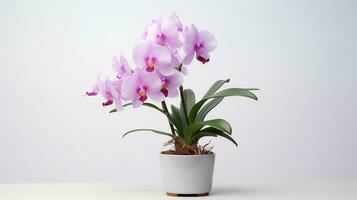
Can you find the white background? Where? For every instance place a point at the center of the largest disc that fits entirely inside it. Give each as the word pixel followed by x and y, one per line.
pixel 301 54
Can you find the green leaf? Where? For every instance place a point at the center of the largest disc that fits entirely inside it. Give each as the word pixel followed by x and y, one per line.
pixel 219 133
pixel 177 120
pixel 219 124
pixel 214 126
pixel 151 130
pixel 251 88
pixel 192 129
pixel 190 99
pixel 218 84
pixel 223 93
pixel 150 105
pixel 227 137
pixel 207 108
pixel 211 130
pixel 202 134
pixel 235 92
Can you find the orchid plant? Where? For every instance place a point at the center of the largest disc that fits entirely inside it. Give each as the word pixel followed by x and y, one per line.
pixel 159 75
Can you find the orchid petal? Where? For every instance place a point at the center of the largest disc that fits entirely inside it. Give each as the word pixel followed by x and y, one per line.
pixel 208 40
pixel 129 88
pixel 184 70
pixel 151 81
pixel 166 70
pixel 176 21
pixel 156 96
pixel 187 59
pixel 173 92
pixel 175 80
pixel 171 34
pixel 194 30
pixel 118 104
pixel 140 54
pixel 136 103
pixel 162 55
pixel 163 62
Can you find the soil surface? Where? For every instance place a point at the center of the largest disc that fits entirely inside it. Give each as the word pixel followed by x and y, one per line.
pixel 184 149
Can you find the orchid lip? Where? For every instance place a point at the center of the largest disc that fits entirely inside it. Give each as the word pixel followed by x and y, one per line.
pixel 150 62
pixel 202 59
pixel 107 103
pixel 161 38
pixel 142 95
pixel 91 93
pixel 150 65
pixel 143 98
pixel 164 91
pixel 198 46
pixel 150 68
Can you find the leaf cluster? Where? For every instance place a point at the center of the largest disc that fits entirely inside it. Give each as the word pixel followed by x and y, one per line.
pixel 189 119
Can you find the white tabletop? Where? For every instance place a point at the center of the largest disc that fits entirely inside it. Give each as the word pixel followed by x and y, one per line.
pixel 343 190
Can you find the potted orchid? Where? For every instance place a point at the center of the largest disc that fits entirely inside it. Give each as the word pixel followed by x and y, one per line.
pixel 187 168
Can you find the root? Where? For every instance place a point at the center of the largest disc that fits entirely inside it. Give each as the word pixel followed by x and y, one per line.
pixel 183 149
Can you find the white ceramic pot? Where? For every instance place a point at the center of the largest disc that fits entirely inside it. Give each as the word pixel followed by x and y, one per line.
pixel 187 174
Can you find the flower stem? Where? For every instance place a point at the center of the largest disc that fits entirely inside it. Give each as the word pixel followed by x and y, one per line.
pixel 164 107
pixel 184 105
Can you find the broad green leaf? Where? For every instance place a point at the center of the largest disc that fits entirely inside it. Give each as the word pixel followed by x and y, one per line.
pixel 213 126
pixel 223 93
pixel 150 105
pixel 218 84
pixel 202 134
pixel 227 137
pixel 150 130
pixel 235 92
pixel 178 121
pixel 207 108
pixel 211 130
pixel 219 124
pixel 190 99
pixel 192 129
pixel 219 133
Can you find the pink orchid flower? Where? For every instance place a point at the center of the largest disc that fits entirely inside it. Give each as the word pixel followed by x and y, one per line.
pixel 110 90
pixel 199 43
pixel 141 85
pixel 170 84
pixel 122 67
pixel 165 31
pixel 151 56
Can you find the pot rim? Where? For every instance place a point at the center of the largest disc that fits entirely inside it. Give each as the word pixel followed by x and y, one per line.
pixel 188 156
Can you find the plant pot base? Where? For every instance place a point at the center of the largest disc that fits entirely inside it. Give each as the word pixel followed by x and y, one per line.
pixel 187 175
pixel 186 195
